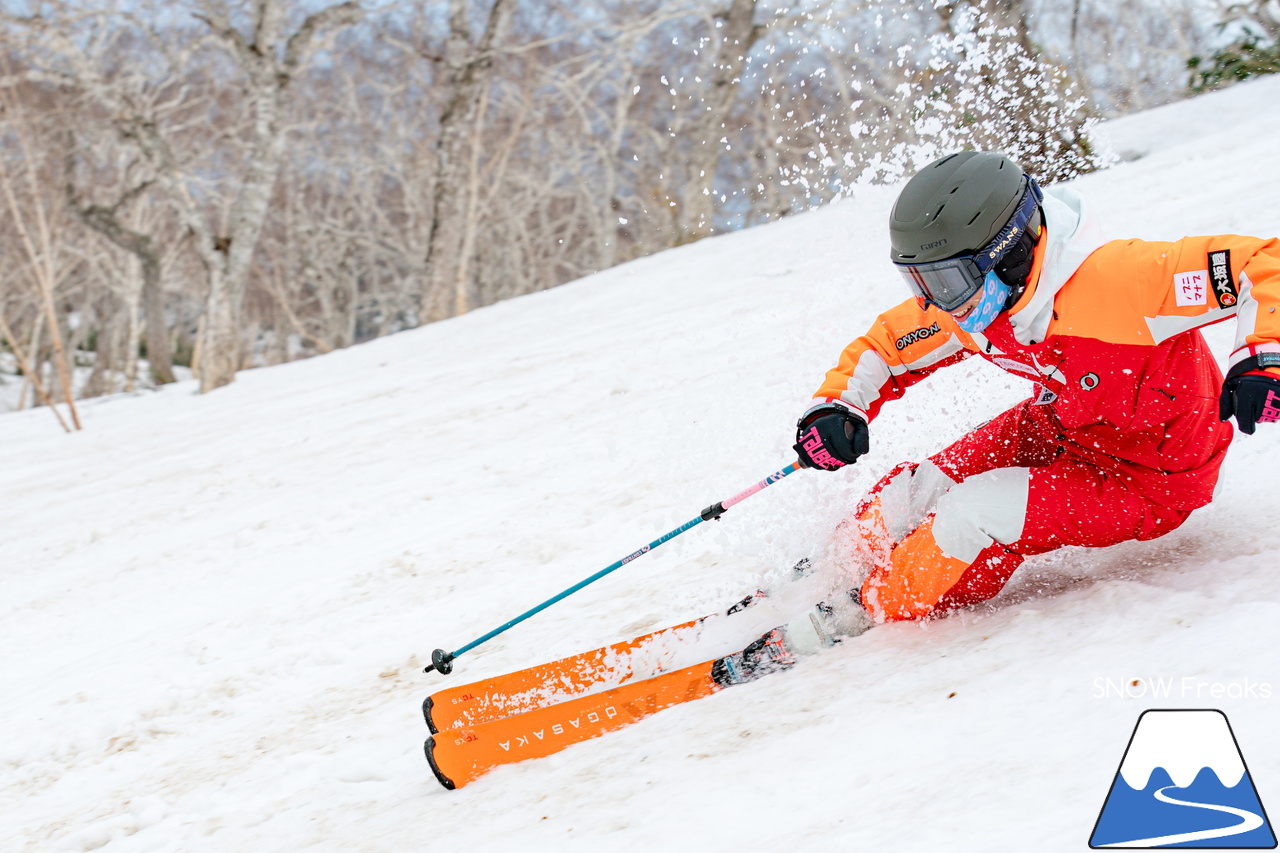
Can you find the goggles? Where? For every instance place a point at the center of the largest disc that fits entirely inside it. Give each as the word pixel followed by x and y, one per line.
pixel 950 283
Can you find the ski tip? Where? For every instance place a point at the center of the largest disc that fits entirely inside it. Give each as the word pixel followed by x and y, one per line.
pixel 427 705
pixel 429 747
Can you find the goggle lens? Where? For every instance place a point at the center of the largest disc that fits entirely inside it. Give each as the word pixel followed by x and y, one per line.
pixel 947 284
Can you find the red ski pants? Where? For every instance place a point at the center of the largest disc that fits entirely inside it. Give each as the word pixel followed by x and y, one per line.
pixel 1013 488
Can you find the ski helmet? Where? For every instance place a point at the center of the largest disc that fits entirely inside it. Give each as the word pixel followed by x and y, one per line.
pixel 965 223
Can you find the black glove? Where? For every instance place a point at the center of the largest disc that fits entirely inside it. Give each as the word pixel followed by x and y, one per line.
pixel 829 436
pixel 1253 397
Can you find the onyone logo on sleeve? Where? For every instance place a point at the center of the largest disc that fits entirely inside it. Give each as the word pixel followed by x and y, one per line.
pixel 918 335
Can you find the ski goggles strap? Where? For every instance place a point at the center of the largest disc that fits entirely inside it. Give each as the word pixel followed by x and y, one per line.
pixel 950 283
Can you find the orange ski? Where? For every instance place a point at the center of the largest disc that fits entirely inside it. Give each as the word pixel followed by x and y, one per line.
pixel 461 755
pixel 549 683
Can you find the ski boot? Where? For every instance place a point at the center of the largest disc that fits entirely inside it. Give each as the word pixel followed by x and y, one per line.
pixel 818 628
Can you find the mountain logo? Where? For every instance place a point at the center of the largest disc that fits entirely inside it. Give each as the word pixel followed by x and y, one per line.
pixel 1183 783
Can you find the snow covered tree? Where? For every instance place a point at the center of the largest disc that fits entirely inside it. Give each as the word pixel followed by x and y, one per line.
pixel 1254 27
pixel 987 86
pixel 737 32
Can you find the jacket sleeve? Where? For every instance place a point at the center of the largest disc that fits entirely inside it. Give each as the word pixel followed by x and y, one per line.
pixel 1255 269
pixel 903 346
pixel 1195 282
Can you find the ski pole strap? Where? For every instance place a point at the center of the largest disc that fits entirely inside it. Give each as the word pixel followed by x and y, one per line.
pixel 441 660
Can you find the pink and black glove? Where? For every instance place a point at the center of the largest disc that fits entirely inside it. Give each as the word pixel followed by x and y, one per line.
pixel 830 436
pixel 1251 394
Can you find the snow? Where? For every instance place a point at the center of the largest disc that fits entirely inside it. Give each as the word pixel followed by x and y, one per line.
pixel 216 608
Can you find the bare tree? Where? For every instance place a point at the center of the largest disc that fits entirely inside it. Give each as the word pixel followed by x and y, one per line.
pixel 38 225
pixel 468 60
pixel 107 220
pixel 269 58
pixel 30 366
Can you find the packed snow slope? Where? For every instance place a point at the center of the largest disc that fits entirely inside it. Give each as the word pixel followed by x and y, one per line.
pixel 216 608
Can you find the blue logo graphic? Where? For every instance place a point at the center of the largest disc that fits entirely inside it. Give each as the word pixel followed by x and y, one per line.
pixel 1183 783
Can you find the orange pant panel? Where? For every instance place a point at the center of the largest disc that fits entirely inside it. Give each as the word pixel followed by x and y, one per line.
pixel 916 577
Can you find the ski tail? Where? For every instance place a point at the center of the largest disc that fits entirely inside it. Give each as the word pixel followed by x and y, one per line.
pixel 538 686
pixel 461 755
pixel 555 682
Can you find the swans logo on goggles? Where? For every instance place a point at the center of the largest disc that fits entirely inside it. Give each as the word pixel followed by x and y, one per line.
pixel 918 335
pixel 1008 240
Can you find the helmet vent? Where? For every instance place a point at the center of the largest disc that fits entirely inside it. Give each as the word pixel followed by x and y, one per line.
pixel 975 217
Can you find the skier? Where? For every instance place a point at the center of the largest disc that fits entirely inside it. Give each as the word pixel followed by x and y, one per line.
pixel 1122 438
pixel 1127 427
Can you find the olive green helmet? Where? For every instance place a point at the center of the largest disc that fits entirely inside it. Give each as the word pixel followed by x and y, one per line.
pixel 954 205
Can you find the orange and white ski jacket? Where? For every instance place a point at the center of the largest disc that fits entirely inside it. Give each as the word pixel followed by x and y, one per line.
pixel 1108 335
